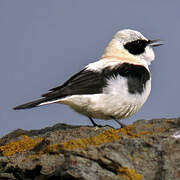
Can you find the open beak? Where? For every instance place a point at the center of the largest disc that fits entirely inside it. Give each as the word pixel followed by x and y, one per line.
pixel 155 43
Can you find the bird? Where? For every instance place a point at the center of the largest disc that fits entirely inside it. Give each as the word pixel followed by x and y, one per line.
pixel 112 88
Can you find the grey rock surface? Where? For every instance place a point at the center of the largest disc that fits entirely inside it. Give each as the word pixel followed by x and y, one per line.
pixel 147 150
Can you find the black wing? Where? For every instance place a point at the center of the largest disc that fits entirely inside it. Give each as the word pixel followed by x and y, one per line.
pixel 84 82
pixel 93 82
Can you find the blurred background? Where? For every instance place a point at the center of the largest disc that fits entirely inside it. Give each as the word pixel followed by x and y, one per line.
pixel 42 43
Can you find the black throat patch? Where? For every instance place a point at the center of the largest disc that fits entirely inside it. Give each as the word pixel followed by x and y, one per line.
pixel 136 75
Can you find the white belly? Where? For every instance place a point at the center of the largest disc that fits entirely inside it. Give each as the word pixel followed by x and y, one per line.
pixel 115 102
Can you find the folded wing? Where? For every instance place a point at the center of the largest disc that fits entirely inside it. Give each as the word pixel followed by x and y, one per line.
pixel 84 82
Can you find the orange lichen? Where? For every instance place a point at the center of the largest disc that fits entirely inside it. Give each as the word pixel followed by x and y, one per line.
pixel 33 156
pixel 168 121
pixel 128 174
pixel 132 158
pixel 104 137
pixel 13 147
pixel 159 130
pixel 147 125
pixel 145 133
pixel 128 131
pixel 153 131
pixel 51 148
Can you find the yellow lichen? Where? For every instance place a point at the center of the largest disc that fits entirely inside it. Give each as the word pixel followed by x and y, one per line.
pixel 104 137
pixel 144 133
pixel 127 131
pixel 147 126
pixel 128 174
pixel 51 148
pixel 159 130
pixel 33 156
pixel 132 158
pixel 153 131
pixel 25 143
pixel 168 121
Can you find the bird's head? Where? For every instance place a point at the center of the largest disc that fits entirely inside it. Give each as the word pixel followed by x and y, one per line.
pixel 132 46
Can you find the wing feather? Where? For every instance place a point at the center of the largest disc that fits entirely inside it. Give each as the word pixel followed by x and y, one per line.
pixel 84 82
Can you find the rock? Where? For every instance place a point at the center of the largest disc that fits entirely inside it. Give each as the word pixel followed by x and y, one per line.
pixel 147 150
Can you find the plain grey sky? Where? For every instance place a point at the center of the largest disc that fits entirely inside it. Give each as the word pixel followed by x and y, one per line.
pixel 44 42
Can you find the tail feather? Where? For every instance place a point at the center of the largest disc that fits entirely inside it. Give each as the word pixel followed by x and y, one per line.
pixel 31 104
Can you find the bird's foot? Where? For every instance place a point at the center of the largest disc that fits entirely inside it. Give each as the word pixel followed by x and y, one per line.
pixel 94 124
pixel 98 125
pixel 120 123
pixel 103 126
pixel 108 126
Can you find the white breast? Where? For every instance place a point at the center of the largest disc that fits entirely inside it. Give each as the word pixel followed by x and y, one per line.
pixel 123 103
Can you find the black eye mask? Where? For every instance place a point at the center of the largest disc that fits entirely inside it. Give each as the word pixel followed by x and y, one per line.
pixel 136 47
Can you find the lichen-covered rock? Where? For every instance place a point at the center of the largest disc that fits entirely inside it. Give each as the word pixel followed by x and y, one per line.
pixel 147 150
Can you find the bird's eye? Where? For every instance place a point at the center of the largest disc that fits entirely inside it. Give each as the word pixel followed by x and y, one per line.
pixel 136 47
